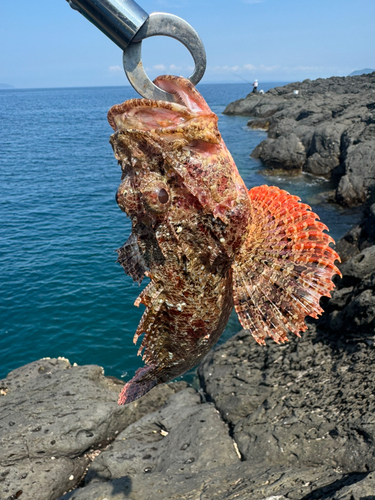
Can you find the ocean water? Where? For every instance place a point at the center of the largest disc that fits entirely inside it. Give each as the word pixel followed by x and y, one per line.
pixel 61 291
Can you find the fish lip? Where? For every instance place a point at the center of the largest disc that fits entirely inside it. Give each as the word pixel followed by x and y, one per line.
pixel 185 93
pixel 132 104
pixel 191 104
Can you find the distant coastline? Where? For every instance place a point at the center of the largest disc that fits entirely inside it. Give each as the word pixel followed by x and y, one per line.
pixel 5 86
pixel 365 71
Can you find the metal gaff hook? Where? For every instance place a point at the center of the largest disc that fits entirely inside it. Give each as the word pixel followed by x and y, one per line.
pixel 127 24
pixel 160 23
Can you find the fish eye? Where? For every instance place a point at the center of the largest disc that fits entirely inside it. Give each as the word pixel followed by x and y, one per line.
pixel 163 196
pixel 156 195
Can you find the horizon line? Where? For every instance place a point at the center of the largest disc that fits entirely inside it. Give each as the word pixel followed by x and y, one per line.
pixel 11 87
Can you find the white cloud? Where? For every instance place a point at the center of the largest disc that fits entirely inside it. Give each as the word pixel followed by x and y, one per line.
pixel 172 69
pixel 228 68
pixel 306 68
pixel 262 67
pixel 239 69
pixel 115 69
pixel 159 67
pixel 252 1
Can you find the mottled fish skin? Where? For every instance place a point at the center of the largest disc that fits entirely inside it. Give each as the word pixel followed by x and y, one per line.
pixel 204 241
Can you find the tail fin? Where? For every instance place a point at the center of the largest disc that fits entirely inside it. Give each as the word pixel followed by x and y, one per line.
pixel 137 386
pixel 284 267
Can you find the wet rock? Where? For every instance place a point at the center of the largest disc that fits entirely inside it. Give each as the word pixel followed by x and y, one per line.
pixel 284 152
pixel 359 237
pixel 323 154
pixel 334 120
pixel 358 182
pixel 352 307
pixel 52 417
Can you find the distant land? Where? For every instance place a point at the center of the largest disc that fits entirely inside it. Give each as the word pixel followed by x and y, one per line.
pixel 362 71
pixel 6 86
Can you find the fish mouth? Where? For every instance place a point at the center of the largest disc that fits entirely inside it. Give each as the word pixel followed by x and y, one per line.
pixel 185 93
pixel 148 114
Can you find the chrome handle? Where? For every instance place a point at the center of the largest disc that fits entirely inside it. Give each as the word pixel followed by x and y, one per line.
pixel 120 20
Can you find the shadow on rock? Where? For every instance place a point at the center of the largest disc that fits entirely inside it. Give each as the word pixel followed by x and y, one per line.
pixel 326 492
pixel 121 487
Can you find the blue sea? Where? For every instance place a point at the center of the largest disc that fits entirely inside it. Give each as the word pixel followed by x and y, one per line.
pixel 61 291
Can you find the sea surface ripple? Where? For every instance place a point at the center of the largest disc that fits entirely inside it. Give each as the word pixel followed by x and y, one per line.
pixel 61 291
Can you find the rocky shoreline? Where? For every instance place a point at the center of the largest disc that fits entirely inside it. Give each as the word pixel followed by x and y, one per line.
pixel 281 422
pixel 325 127
pixel 295 421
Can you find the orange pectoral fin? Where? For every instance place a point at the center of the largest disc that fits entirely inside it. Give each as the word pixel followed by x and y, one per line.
pixel 284 267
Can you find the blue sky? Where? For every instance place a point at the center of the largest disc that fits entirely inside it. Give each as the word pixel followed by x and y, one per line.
pixel 44 43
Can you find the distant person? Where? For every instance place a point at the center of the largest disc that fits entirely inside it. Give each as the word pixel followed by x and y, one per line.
pixel 255 87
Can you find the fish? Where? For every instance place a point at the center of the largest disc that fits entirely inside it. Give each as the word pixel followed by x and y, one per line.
pixel 206 242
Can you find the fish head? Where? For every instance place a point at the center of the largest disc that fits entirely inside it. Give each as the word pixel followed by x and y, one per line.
pixel 152 140
pixel 174 161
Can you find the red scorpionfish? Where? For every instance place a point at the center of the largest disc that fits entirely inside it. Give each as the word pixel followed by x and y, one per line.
pixel 205 241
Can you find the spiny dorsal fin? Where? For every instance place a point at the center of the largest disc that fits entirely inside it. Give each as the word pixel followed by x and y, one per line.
pixel 284 267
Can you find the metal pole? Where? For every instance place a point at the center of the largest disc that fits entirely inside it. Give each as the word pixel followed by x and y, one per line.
pixel 120 20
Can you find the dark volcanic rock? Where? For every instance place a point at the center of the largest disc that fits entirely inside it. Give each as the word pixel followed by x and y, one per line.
pixel 184 452
pixel 309 403
pixel 332 119
pixel 352 306
pixel 357 184
pixel 52 417
pixel 167 454
pixel 358 237
pixel 297 410
pixel 323 151
pixel 286 151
